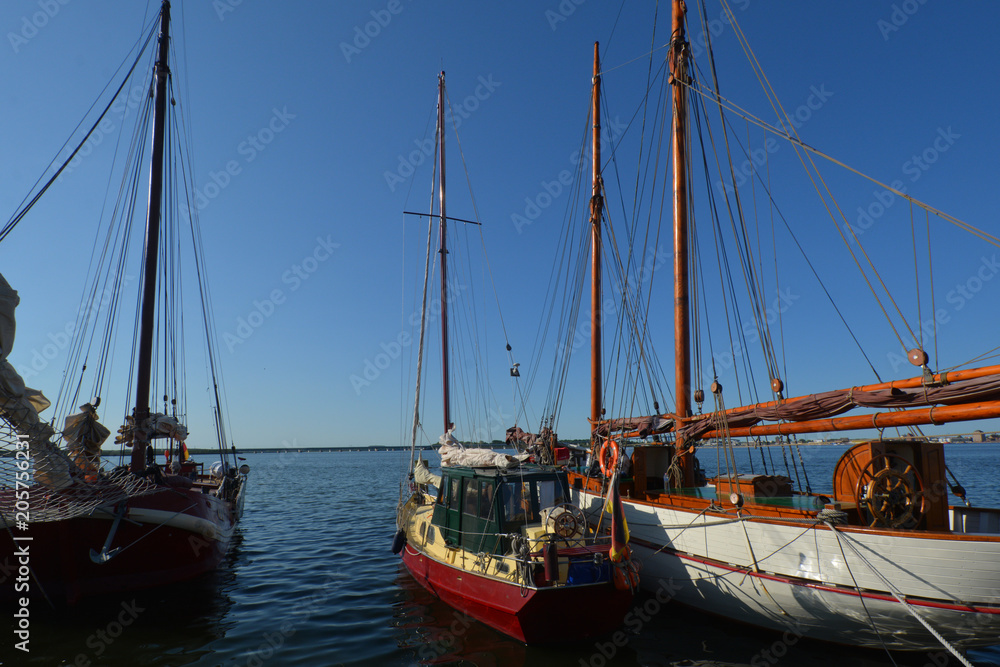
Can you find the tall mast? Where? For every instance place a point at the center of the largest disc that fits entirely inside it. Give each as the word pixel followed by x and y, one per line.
pixel 682 365
pixel 444 256
pixel 596 204
pixel 148 313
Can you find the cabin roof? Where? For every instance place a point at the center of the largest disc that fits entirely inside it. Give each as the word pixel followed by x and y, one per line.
pixel 522 471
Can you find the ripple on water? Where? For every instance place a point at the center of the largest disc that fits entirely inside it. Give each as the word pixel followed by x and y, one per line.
pixel 311 581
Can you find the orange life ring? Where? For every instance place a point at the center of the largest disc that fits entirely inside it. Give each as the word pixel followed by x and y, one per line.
pixel 607 468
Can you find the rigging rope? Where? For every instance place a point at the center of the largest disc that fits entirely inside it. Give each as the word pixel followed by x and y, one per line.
pixel 25 207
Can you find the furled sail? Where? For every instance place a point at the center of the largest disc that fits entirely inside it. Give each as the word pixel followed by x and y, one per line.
pixel 643 426
pixel 21 405
pixel 84 436
pixel 423 475
pixel 975 386
pixel 62 484
pixel 889 396
pixel 454 453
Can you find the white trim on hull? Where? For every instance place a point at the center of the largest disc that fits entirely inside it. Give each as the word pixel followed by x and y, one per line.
pixel 795 576
pixel 219 528
pixel 221 531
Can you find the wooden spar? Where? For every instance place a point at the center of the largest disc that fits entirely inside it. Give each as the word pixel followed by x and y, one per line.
pixel 444 255
pixel 147 320
pixel 942 414
pixel 596 204
pixel 909 383
pixel 682 345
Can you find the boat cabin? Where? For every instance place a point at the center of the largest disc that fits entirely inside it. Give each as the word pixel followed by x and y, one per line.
pixel 479 508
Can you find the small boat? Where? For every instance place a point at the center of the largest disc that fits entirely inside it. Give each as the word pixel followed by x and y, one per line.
pixel 93 529
pixel 499 539
pixel 505 546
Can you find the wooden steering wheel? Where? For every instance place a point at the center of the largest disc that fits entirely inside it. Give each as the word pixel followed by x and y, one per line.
pixel 565 523
pixel 891 492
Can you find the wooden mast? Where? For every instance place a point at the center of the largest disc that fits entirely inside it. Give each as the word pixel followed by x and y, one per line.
pixel 596 205
pixel 678 144
pixel 444 256
pixel 147 319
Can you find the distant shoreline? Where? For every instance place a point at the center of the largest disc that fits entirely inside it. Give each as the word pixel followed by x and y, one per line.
pixel 988 438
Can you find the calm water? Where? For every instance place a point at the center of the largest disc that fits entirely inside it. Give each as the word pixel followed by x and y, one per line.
pixel 311 581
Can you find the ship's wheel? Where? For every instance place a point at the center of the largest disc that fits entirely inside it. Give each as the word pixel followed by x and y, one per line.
pixel 565 520
pixel 890 493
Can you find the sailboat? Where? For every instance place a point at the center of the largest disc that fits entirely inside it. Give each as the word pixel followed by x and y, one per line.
pixel 498 539
pixel 881 561
pixel 86 527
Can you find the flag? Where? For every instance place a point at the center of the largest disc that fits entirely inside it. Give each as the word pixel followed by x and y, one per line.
pixel 619 529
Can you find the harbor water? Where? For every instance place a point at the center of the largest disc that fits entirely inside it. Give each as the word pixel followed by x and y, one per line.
pixel 310 580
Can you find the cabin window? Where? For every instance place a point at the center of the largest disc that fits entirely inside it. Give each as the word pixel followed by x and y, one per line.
pixel 443 493
pixel 486 499
pixel 516 500
pixel 456 489
pixel 550 493
pixel 471 505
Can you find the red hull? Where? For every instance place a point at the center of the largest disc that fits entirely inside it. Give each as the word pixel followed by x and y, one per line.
pixel 169 536
pixel 540 616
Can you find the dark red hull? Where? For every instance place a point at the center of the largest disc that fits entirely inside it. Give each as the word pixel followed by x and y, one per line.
pixel 539 616
pixel 166 537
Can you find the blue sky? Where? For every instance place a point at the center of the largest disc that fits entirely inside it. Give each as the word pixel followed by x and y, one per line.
pixel 307 119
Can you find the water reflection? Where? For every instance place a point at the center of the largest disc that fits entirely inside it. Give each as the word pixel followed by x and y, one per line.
pixel 429 632
pixel 175 625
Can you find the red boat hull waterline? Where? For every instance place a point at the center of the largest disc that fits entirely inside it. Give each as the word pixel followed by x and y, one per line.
pixel 530 615
pixel 170 536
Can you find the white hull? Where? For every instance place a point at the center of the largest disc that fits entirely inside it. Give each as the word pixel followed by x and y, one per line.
pixel 809 581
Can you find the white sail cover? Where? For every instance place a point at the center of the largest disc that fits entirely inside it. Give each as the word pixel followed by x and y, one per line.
pixel 167 425
pixel 454 453
pixel 423 475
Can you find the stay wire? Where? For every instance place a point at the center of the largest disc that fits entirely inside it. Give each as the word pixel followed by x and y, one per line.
pixel 25 207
